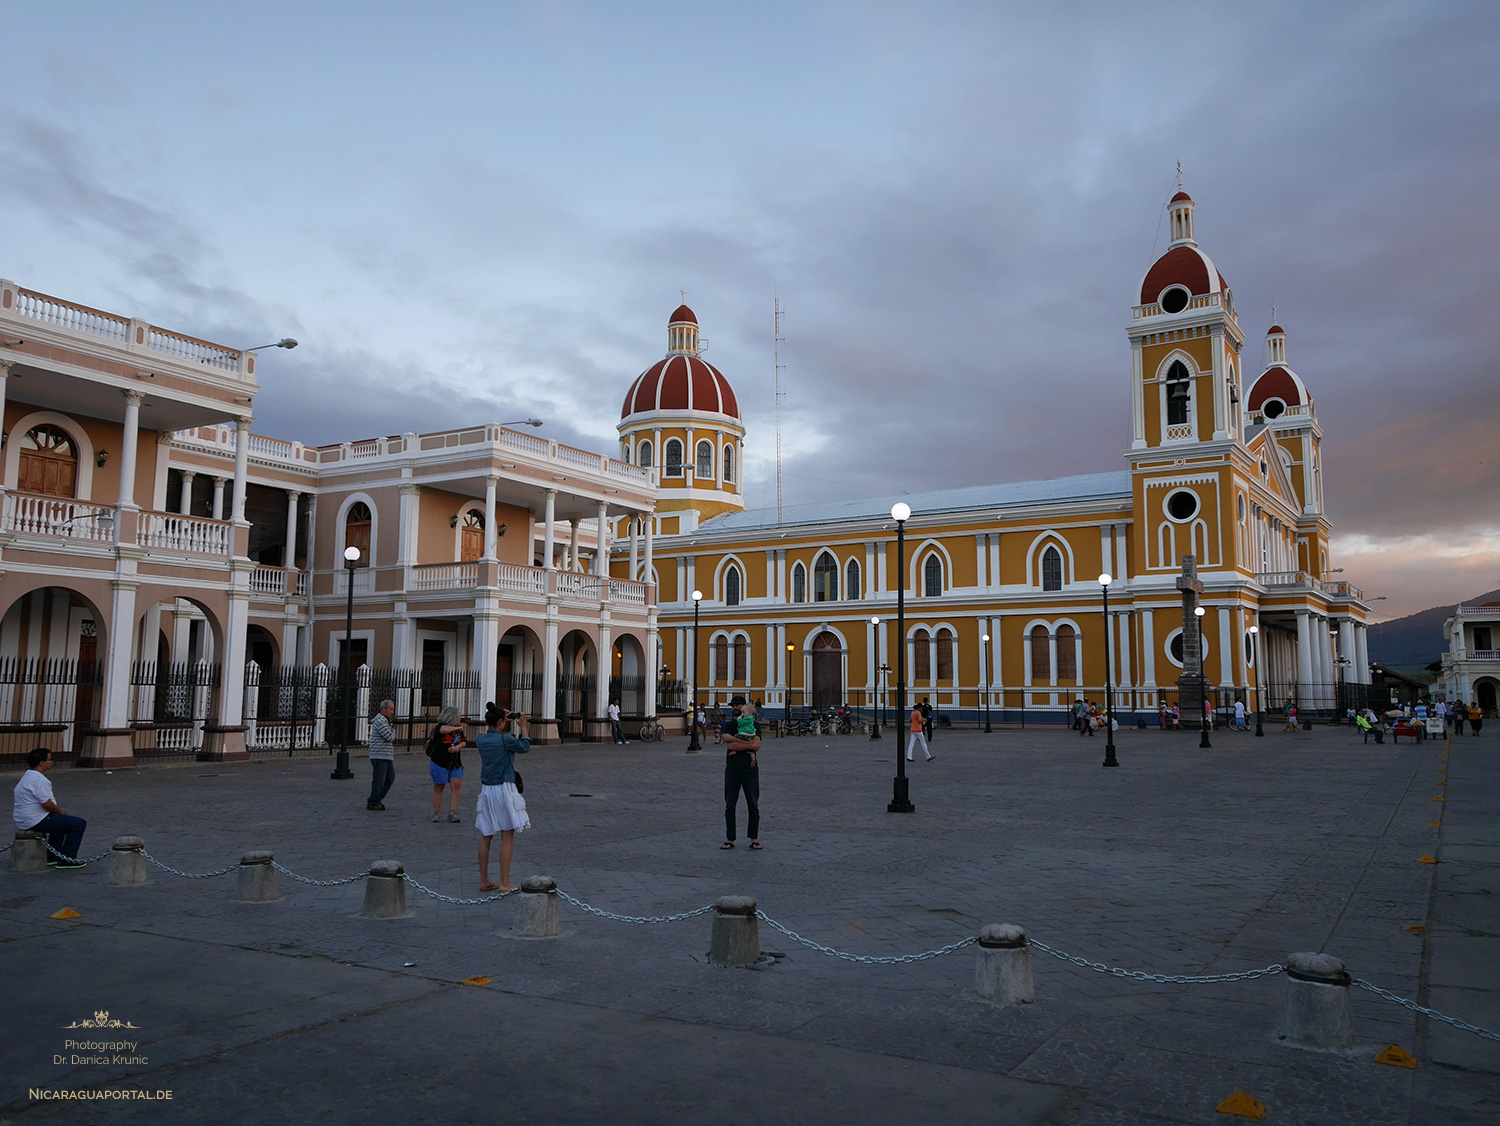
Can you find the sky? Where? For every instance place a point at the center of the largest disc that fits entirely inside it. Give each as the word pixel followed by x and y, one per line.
pixel 484 212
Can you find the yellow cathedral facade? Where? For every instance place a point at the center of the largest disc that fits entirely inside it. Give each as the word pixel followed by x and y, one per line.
pixel 1003 596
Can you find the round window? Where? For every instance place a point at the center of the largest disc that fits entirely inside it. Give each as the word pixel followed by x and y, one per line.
pixel 1273 408
pixel 1182 504
pixel 1250 650
pixel 1174 646
pixel 1175 299
pixel 1242 507
pixel 1265 470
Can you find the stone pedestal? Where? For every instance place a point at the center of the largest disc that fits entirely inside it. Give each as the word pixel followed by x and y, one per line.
pixel 255 882
pixel 127 867
pixel 1002 967
pixel 735 940
pixel 111 747
pixel 545 733
pixel 597 731
pixel 1317 1003
pixel 536 909
pixel 385 891
pixel 223 744
pixel 29 853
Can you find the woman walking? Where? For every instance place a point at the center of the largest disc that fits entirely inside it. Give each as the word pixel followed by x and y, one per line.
pixel 447 766
pixel 502 809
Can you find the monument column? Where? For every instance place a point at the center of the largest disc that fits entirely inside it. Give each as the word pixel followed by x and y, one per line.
pixel 1190 684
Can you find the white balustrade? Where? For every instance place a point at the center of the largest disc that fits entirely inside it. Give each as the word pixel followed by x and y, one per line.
pixel 66 314
pixel 445 576
pixel 525 443
pixel 627 592
pixel 576 584
pixel 524 580
pixel 581 459
pixel 268 580
pixel 53 516
pixel 182 347
pixel 364 581
pixel 1180 433
pixel 184 533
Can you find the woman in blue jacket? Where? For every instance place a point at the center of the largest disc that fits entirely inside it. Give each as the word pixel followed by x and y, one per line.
pixel 502 809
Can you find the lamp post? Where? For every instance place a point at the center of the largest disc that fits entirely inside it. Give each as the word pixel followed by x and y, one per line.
pixel 1203 742
pixel 694 746
pixel 1255 645
pixel 875 656
pixel 901 797
pixel 985 651
pixel 885 687
pixel 341 769
pixel 1109 680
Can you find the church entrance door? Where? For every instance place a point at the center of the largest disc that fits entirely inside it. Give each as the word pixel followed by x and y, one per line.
pixel 827 672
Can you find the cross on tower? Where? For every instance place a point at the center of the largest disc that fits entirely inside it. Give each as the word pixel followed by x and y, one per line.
pixel 1190 685
pixel 684 295
pixel 1179 175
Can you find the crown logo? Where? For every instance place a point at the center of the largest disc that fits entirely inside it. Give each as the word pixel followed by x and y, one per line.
pixel 101 1019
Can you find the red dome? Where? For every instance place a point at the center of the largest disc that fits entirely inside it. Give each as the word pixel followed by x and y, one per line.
pixel 1182 265
pixel 1180 196
pixel 681 383
pixel 680 314
pixel 1274 329
pixel 1276 383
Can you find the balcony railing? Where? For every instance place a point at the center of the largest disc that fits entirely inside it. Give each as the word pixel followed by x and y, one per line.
pixel 575 584
pixel 1479 608
pixel 276 582
pixel 522 580
pixel 364 581
pixel 445 576
pixel 1346 590
pixel 1202 301
pixel 184 533
pixel 34 515
pixel 627 592
pixel 1301 580
pixel 1480 655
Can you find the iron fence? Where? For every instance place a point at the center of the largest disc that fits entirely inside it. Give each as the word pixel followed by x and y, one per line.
pixel 47 703
pixel 170 705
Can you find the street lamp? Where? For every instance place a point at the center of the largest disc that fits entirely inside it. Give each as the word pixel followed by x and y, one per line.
pixel 693 745
pixel 1109 678
pixel 523 422
pixel 985 650
pixel 875 656
pixel 885 689
pixel 341 769
pixel 285 342
pixel 901 798
pixel 1260 731
pixel 1199 611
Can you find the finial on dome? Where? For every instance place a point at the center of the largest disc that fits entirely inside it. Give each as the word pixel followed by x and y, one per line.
pixel 1275 343
pixel 682 331
pixel 1181 210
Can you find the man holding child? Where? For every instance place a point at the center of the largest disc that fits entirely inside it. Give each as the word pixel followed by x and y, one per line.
pixel 741 770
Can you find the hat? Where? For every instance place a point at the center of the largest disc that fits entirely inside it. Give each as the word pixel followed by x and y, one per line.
pixel 736 701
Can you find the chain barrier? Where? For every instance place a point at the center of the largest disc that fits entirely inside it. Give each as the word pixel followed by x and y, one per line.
pixel 424 889
pixel 189 875
pixel 317 883
pixel 1164 979
pixel 592 910
pixel 1425 1011
pixel 865 959
pixel 74 859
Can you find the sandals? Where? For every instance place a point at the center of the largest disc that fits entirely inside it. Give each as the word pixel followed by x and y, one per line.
pixel 755 846
pixel 727 844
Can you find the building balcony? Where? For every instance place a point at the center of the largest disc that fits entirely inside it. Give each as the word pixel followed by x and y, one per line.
pixel 513 581
pixel 57 523
pixel 1475 655
pixel 277 583
pixel 1290 580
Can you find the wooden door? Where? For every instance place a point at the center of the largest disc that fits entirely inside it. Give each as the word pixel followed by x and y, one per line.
pixel 49 463
pixel 472 544
pixel 83 707
pixel 504 670
pixel 827 672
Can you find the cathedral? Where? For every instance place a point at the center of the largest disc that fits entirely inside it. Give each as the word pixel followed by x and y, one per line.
pixel 1220 491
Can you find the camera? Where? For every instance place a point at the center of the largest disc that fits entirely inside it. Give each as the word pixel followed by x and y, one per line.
pixel 512 715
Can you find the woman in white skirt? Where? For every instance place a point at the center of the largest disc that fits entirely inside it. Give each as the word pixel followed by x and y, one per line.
pixel 501 808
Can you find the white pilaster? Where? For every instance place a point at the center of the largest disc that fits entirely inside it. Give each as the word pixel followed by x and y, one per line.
pixel 130 439
pixel 289 554
pixel 601 553
pixel 241 468
pixel 1148 650
pixel 1304 656
pixel 1226 650
pixel 549 534
pixel 491 539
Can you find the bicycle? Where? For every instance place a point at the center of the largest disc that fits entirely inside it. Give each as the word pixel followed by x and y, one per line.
pixel 651 730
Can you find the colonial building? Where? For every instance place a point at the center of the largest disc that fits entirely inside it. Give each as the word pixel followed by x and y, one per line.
pixel 1471 667
pixel 1003 598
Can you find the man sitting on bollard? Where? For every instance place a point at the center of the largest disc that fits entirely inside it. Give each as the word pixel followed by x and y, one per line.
pixel 35 810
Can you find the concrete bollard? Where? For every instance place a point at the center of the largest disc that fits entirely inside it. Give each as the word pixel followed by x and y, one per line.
pixel 29 853
pixel 536 909
pixel 1317 1003
pixel 127 866
pixel 1002 966
pixel 385 891
pixel 736 935
pixel 255 882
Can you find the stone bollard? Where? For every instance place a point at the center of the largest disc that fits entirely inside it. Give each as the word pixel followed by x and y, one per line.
pixel 29 853
pixel 126 864
pixel 736 935
pixel 536 909
pixel 385 891
pixel 1002 966
pixel 1317 1003
pixel 255 882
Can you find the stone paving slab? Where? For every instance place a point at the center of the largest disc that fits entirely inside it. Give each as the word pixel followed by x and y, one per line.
pixel 1182 861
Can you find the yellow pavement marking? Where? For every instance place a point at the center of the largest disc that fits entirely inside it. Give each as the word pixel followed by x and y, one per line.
pixel 480 980
pixel 66 913
pixel 1428 860
pixel 1397 1056
pixel 1242 1105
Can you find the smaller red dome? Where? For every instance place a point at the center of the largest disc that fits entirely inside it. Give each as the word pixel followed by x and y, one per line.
pixel 682 314
pixel 1181 196
pixel 1277 383
pixel 1274 329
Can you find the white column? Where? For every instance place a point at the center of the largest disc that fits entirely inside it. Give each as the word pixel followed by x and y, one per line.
pixel 981 557
pixel 868 574
pixel 606 666
pixel 484 642
pixel 1304 656
pixel 491 540
pixel 5 366
pixel 653 666
pixel 289 646
pixel 185 501
pixel 572 561
pixel 994 548
pixel 159 476
pixel 880 554
pixel 218 509
pixel 129 441
pixel 1241 676
pixel 232 660
pixel 289 553
pixel 241 468
pixel 549 657
pixel 1052 654
pixel 1106 548
pixel 119 644
pixel 646 564
pixel 634 572
pixel 770 661
pixel 601 550
pixel 1122 649
pixel 548 537
pixel 1226 650
pixel 1362 654
pixel 1349 650
pixel 1122 556
pixel 1148 650
pixel 407 522
pixel 309 565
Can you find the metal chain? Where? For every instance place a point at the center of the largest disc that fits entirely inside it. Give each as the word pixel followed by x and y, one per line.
pixel 635 918
pixel 1425 1011
pixel 1165 979
pixel 189 875
pixel 451 899
pixel 317 883
pixel 865 959
pixel 74 859
pixel 6 848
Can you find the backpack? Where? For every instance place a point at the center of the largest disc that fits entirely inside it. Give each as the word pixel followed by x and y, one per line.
pixel 436 749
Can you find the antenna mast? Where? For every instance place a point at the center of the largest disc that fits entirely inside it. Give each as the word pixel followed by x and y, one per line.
pixel 779 396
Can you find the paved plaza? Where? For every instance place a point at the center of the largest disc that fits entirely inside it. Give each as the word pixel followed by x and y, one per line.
pixel 1183 861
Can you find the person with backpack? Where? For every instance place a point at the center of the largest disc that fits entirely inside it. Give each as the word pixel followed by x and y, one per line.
pixel 501 807
pixel 1460 713
pixel 444 743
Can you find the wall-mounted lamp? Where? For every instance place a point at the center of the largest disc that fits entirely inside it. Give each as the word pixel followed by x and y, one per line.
pixel 102 458
pixel 242 400
pixel 500 531
pixel 145 375
pixel 13 343
pixel 453 521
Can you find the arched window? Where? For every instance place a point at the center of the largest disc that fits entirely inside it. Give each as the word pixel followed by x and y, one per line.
pixel 49 462
pixel 799 583
pixel 705 466
pixel 732 587
pixel 921 656
pixel 826 579
pixel 357 531
pixel 1179 393
pixel 1052 574
pixel 1067 654
pixel 1041 654
pixel 720 661
pixel 728 462
pixel 741 671
pixel 851 584
pixel 626 454
pixel 932 576
pixel 945 656
pixel 674 458
pixel 644 458
pixel 471 546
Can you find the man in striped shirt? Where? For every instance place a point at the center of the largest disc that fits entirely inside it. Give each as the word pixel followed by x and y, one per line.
pixel 382 754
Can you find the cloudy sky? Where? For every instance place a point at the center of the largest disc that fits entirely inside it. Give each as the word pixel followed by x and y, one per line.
pixel 484 211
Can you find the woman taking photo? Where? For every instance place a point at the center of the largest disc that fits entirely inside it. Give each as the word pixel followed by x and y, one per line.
pixel 447 766
pixel 502 809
